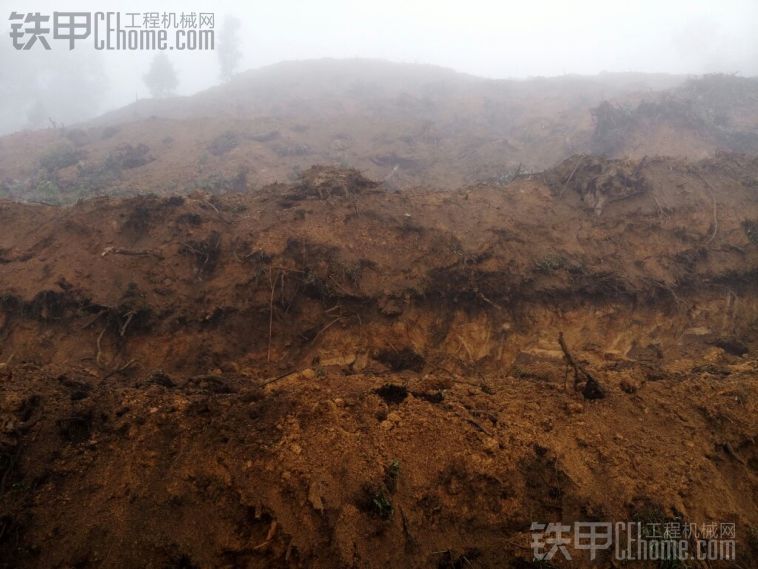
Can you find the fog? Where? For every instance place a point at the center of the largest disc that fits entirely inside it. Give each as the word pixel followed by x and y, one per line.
pixel 496 39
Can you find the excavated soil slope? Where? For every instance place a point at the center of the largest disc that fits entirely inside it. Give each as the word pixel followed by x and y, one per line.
pixel 335 374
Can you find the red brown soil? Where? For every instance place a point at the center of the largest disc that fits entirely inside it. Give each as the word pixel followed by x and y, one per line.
pixel 331 373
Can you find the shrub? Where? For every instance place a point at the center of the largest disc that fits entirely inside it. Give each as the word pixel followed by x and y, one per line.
pixel 127 156
pixel 61 157
pixel 223 143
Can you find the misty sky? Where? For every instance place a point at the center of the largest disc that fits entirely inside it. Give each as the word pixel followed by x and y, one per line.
pixel 483 37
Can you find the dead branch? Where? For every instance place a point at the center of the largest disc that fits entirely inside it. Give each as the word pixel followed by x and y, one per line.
pixel 712 191
pixel 285 269
pixel 571 176
pixel 271 313
pixel 269 536
pixel 473 423
pixel 488 301
pixel 276 378
pixel 120 369
pixel 213 206
pixel 325 328
pixel 130 315
pixel 93 319
pixel 625 197
pixel 143 253
pixel 592 388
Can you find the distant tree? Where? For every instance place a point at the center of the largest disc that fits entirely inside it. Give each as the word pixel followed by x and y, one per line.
pixel 161 79
pixel 40 87
pixel 229 53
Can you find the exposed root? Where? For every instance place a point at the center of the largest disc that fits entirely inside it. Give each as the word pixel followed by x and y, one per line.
pixel 99 346
pixel 119 369
pixel 325 328
pixel 143 253
pixel 592 388
pixel 130 315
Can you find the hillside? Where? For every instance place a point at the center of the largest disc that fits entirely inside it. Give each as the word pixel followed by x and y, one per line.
pixel 410 125
pixel 357 314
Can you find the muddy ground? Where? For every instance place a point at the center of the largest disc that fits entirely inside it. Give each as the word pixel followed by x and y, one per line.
pixel 332 373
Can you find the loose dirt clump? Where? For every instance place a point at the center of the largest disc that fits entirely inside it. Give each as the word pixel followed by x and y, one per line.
pixel 599 181
pixel 326 181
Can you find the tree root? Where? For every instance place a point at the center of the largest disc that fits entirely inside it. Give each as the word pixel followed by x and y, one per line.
pixel 592 388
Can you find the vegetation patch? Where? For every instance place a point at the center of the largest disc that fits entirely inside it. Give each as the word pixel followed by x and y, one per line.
pixel 223 143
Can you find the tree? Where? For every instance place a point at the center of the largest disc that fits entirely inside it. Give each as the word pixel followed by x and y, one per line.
pixel 39 87
pixel 161 79
pixel 229 53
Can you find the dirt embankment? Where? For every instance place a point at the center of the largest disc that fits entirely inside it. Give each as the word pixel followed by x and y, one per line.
pixel 192 283
pixel 330 373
